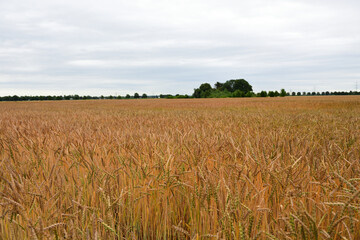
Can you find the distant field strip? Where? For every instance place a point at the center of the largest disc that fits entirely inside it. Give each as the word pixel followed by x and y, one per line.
pixel 256 168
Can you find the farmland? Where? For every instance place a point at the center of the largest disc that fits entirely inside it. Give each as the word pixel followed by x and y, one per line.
pixel 264 168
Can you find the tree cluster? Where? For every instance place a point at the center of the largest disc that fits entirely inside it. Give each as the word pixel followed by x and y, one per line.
pixel 231 88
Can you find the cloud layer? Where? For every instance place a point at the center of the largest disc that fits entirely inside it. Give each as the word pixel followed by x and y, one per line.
pixel 119 47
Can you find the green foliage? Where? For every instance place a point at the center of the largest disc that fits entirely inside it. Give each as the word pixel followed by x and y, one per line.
pixel 250 94
pixel 197 93
pixel 219 91
pixel 203 91
pixel 220 94
pixel 238 93
pixel 231 88
pixel 218 85
pixel 205 94
pixel 181 96
pixel 144 96
pixel 237 84
pixel 283 93
pixel 205 87
pixel 263 94
pixel 136 95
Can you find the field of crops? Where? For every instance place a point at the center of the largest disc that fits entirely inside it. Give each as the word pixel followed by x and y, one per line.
pixel 258 168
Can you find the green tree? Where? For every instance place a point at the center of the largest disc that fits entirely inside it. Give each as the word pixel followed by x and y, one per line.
pixel 127 96
pixel 263 94
pixel 282 93
pixel 226 89
pixel 144 96
pixel 237 84
pixel 218 85
pixel 249 94
pixel 136 95
pixel 205 87
pixel 238 93
pixel 197 93
pixel 203 91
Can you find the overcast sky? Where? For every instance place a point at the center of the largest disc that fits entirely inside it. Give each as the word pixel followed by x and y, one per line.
pixel 172 46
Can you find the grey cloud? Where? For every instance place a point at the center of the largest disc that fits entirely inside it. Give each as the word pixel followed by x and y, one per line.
pixel 173 46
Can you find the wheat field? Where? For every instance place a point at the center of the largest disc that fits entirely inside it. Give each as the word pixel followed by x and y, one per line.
pixel 257 168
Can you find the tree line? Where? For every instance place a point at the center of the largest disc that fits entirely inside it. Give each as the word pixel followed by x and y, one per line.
pixel 71 97
pixel 241 88
pixel 230 88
